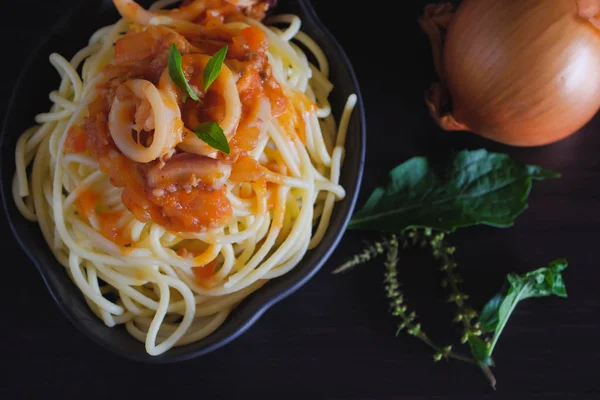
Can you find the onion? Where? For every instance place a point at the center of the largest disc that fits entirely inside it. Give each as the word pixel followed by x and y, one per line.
pixel 519 72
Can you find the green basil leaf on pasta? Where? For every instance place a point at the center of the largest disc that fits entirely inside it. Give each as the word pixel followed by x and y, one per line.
pixel 213 67
pixel 176 74
pixel 212 134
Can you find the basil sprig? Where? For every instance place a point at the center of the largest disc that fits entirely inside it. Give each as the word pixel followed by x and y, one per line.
pixel 212 134
pixel 213 67
pixel 176 74
pixel 473 188
pixel 211 72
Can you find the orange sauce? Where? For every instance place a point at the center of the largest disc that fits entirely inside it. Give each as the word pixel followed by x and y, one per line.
pixel 108 225
pixel 145 44
pixel 251 39
pixel 288 120
pixel 272 200
pixel 260 189
pixel 273 166
pixel 143 53
pixel 292 118
pixel 76 141
pixel 87 205
pixel 246 169
pixel 245 140
pixel 278 99
pixel 195 113
pixel 203 275
pixel 134 46
pixel 193 211
pixel 256 39
pixel 303 102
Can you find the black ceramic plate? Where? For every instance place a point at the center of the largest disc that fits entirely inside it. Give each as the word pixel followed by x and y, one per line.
pixel 31 97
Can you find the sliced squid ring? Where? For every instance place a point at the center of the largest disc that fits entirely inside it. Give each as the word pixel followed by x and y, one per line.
pixel 165 120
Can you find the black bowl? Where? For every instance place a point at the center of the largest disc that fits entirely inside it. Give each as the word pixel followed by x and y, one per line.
pixel 30 97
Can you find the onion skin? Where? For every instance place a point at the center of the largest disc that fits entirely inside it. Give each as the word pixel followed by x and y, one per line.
pixel 588 8
pixel 519 72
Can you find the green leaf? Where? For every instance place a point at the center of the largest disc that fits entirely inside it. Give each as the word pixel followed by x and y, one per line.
pixel 480 351
pixel 474 187
pixel 176 74
pixel 488 319
pixel 212 134
pixel 542 282
pixel 213 67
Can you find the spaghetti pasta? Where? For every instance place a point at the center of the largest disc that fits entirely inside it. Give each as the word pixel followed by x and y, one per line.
pixel 161 232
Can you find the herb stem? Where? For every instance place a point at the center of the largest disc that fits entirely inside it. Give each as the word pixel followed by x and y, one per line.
pixel 424 338
pixel 366 255
pixel 465 314
pixel 399 309
pixel 489 374
pixel 460 304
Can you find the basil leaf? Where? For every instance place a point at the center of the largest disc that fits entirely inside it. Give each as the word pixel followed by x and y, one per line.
pixel 488 319
pixel 542 282
pixel 213 67
pixel 474 187
pixel 480 351
pixel 176 74
pixel 212 134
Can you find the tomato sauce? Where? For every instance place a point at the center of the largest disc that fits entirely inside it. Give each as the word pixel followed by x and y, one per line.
pixel 75 142
pixel 144 54
pixel 246 169
pixel 87 204
pixel 204 275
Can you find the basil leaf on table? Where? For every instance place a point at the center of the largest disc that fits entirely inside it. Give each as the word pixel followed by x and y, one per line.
pixel 477 187
pixel 543 282
pixel 480 351
pixel 176 74
pixel 488 318
pixel 212 134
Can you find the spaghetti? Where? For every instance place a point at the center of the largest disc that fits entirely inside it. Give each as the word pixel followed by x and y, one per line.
pixel 160 231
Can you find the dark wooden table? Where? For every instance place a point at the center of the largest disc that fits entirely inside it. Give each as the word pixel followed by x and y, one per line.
pixel 334 338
